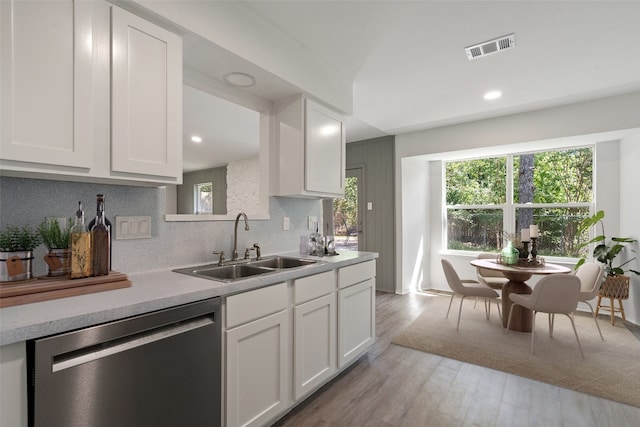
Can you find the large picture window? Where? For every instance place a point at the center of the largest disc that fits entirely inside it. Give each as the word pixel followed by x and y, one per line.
pixel 488 200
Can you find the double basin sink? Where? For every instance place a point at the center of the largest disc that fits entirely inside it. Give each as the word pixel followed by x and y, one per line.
pixel 243 269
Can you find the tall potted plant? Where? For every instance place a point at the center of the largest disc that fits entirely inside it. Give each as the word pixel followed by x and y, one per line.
pixel 56 239
pixel 16 252
pixel 616 283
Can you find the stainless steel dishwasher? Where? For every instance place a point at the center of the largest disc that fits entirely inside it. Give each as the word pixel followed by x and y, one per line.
pixel 157 369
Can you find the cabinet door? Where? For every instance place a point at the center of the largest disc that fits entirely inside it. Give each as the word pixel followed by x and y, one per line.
pixel 356 320
pixel 256 370
pixel 314 343
pixel 146 134
pixel 46 82
pixel 324 150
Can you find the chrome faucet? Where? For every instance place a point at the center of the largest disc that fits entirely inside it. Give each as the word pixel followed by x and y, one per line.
pixel 234 255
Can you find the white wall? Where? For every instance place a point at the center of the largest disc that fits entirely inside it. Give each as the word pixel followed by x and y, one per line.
pixel 243 182
pixel 414 219
pixel 600 121
pixel 630 214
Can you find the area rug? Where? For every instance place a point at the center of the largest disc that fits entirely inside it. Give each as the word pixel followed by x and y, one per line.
pixel 611 368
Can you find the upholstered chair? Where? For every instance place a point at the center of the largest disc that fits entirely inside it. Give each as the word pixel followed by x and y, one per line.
pixel 590 275
pixel 553 294
pixel 491 278
pixel 468 288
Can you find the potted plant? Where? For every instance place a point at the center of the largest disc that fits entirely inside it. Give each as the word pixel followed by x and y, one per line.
pixel 56 239
pixel 16 252
pixel 616 283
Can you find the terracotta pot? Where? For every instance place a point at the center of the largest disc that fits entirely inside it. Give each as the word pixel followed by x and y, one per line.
pixel 615 287
pixel 16 266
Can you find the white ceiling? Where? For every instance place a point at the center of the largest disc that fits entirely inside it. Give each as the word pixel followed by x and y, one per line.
pixel 409 67
pixel 229 132
pixel 410 71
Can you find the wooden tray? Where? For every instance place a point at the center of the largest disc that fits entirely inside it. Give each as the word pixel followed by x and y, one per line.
pixel 48 288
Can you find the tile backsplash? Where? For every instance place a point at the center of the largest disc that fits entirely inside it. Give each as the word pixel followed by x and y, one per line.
pixel 172 244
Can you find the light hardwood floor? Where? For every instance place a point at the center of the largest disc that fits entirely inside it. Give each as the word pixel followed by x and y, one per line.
pixel 398 386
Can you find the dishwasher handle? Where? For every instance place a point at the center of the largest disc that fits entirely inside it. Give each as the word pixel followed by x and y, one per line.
pixel 77 357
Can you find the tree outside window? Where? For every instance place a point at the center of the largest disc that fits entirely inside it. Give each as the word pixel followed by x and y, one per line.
pixel 552 189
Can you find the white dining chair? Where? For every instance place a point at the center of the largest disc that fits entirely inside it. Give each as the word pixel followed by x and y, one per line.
pixel 590 275
pixel 553 294
pixel 468 288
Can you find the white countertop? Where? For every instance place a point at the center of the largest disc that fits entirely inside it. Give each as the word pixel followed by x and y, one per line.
pixel 150 291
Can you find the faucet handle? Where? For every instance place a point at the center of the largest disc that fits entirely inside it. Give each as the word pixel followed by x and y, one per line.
pixel 221 260
pixel 247 253
pixel 257 248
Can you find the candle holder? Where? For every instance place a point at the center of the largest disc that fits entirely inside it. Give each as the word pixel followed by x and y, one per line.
pixel 525 250
pixel 534 251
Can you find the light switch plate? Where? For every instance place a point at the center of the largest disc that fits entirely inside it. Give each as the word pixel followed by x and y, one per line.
pixel 313 220
pixel 133 227
pixel 285 223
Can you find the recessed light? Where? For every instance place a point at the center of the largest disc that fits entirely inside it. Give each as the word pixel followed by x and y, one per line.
pixel 196 139
pixel 494 94
pixel 240 79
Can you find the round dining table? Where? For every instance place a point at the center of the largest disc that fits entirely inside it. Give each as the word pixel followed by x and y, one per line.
pixel 518 275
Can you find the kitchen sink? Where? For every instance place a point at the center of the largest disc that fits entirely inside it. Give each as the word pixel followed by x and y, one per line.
pixel 243 269
pixel 283 262
pixel 230 272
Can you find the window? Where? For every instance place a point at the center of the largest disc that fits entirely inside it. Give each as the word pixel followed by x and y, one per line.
pixel 488 200
pixel 203 198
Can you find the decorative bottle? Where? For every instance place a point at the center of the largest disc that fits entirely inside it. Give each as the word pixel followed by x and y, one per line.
pixel 109 226
pixel 101 240
pixel 81 255
pixel 510 254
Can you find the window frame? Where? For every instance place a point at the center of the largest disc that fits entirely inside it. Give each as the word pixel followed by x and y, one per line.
pixel 196 198
pixel 510 207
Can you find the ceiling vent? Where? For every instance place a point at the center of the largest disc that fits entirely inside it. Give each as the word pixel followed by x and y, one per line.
pixel 489 47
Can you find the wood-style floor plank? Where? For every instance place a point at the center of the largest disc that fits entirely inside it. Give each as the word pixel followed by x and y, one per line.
pixel 398 386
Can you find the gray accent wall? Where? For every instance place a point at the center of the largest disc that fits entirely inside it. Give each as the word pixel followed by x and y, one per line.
pixel 217 176
pixel 172 244
pixel 376 156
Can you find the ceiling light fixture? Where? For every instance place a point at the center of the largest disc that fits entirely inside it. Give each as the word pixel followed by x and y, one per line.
pixel 494 94
pixel 196 139
pixel 240 79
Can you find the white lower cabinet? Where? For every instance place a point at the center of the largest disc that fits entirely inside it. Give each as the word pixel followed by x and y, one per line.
pixel 257 355
pixel 257 377
pixel 13 387
pixel 315 322
pixel 356 311
pixel 284 341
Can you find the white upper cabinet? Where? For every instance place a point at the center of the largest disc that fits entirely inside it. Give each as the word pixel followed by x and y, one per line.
pixel 309 150
pixel 88 96
pixel 146 111
pixel 46 82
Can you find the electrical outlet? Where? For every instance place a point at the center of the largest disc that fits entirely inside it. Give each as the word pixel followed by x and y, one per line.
pixel 285 223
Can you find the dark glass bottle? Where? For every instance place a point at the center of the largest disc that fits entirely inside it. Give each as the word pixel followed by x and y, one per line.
pixel 108 223
pixel 100 240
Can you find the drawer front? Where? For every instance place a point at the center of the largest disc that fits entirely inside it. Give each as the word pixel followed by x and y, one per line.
pixel 252 305
pixel 356 273
pixel 311 287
